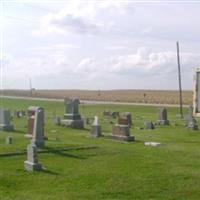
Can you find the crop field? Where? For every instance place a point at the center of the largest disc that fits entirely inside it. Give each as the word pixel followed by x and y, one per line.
pixel 88 168
pixel 136 96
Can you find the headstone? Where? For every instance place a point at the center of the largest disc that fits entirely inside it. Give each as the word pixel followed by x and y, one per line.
pixel 123 121
pixel 148 125
pixel 5 120
pixel 96 128
pixel 190 120
pixel 84 121
pixel 111 114
pixel 193 125
pixel 8 140
pixel 31 117
pixel 115 114
pixel 36 125
pixel 57 121
pixel 38 130
pixel 87 121
pixel 189 116
pixel 72 118
pixel 162 117
pixel 32 164
pixel 129 117
pixel 121 131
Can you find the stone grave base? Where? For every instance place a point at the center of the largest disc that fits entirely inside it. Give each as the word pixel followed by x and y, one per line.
pixel 73 123
pixel 153 144
pixel 122 138
pixel 29 166
pixel 28 136
pixel 96 131
pixel 5 127
pixel 72 116
pixel 193 126
pixel 40 143
pixel 163 122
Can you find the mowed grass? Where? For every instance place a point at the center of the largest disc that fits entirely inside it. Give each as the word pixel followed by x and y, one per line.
pixel 102 168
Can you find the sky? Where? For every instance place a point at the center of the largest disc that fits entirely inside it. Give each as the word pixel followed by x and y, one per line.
pixel 86 44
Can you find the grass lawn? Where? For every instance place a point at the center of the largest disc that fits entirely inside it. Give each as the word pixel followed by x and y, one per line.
pixel 101 168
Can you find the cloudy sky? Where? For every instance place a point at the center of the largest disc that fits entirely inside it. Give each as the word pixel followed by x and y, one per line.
pixel 73 44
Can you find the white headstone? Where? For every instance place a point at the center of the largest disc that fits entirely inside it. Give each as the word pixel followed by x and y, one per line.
pixel 96 121
pixel 31 164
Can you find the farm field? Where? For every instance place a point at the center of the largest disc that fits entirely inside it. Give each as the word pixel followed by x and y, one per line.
pixel 136 96
pixel 100 168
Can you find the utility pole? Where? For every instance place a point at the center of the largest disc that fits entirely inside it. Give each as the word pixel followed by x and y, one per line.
pixel 30 83
pixel 179 80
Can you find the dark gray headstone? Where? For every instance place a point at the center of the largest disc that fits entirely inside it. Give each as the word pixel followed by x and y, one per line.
pixel 5 120
pixel 162 117
pixel 72 118
pixel 38 129
pixel 72 105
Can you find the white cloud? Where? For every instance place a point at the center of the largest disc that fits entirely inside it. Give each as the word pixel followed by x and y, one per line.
pixel 138 66
pixel 81 17
pixel 143 62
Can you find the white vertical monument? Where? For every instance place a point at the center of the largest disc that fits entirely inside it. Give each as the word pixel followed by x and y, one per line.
pixel 96 128
pixel 196 93
pixel 32 164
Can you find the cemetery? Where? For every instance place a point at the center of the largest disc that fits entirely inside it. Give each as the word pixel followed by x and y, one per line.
pixel 98 101
pixel 43 160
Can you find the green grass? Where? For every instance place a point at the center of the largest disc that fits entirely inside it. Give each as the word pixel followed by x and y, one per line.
pixel 111 170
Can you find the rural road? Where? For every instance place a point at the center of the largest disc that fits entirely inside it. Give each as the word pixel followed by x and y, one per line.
pixel 93 102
